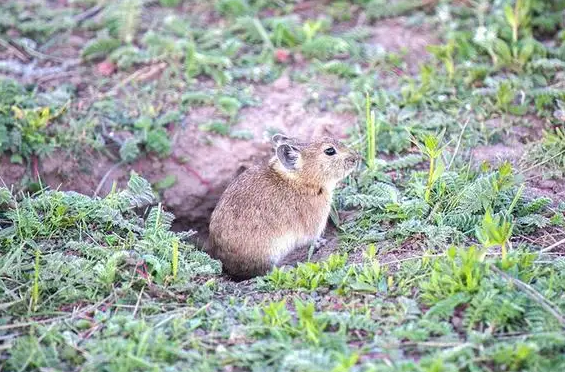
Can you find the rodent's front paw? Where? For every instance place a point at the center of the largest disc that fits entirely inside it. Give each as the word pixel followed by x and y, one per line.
pixel 319 243
pixel 285 267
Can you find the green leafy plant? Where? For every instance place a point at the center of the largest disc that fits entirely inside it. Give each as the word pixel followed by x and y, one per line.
pixel 26 128
pixel 170 3
pixel 518 17
pixel 96 237
pixel 197 63
pixel 431 149
pixel 495 231
pixel 309 326
pixel 308 275
pixel 124 17
pixel 233 8
pixel 517 52
pixel 150 135
pixel 275 314
pixel 445 55
pixel 99 48
pixel 461 272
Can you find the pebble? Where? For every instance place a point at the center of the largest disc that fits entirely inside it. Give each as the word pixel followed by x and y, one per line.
pixel 282 83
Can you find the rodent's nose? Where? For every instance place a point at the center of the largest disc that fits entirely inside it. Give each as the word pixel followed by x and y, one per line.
pixel 356 156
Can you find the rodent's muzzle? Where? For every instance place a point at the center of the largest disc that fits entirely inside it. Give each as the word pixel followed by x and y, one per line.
pixel 354 159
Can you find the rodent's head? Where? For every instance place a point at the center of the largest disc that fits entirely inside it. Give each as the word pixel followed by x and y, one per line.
pixel 324 161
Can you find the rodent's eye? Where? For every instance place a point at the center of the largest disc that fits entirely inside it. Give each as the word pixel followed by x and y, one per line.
pixel 330 151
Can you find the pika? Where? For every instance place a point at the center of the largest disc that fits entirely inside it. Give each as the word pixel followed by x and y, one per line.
pixel 272 209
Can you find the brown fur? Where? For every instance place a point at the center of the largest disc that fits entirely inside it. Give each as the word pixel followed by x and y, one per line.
pixel 270 210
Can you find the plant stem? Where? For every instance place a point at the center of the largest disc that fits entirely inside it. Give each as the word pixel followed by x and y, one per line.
pixel 458 143
pixel 264 35
pixel 515 200
pixel 493 56
pixel 35 290
pixel 554 245
pixel 516 22
pixel 106 175
pixel 430 179
pixel 370 128
pixel 175 259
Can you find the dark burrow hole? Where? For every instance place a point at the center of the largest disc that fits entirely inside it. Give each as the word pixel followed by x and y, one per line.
pixel 201 221
pixel 200 225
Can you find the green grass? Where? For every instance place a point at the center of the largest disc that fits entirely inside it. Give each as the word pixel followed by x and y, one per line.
pixel 442 263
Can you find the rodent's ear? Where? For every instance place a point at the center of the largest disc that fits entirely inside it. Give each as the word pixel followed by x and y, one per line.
pixel 289 156
pixel 279 139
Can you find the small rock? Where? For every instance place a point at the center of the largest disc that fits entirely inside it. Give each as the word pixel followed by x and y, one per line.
pixel 547 184
pixel 559 115
pixel 75 41
pixel 282 83
pixel 457 322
